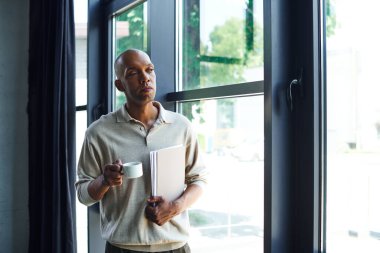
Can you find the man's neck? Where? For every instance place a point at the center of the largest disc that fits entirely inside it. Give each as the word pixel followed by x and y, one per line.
pixel 146 114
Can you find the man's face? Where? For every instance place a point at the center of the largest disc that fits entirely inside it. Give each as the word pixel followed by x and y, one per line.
pixel 137 78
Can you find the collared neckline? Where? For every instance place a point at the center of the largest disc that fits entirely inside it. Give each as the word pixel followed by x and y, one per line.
pixel 122 115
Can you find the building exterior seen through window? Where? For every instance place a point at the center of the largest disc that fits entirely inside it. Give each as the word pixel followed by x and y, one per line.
pixel 229 216
pixel 218 48
pixel 353 124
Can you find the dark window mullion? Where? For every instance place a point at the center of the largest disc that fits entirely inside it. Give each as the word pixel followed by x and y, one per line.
pixel 81 108
pixel 307 135
pixel 162 47
pixel 279 205
pixel 116 6
pixel 225 91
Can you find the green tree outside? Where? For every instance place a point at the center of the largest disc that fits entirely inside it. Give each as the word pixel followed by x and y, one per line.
pixel 235 47
pixel 331 23
pixel 137 38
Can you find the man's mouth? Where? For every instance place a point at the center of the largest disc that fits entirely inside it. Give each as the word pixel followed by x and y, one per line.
pixel 146 89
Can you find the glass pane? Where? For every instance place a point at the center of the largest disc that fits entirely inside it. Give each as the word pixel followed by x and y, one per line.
pixel 224 46
pixel 229 216
pixel 130 32
pixel 80 17
pixel 81 210
pixel 353 126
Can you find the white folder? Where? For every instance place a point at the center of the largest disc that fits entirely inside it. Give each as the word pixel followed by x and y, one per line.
pixel 168 172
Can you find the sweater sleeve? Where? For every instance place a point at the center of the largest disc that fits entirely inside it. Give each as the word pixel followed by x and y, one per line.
pixel 196 172
pixel 88 170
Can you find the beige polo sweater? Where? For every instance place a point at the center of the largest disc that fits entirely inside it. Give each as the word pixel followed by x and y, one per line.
pixel 118 136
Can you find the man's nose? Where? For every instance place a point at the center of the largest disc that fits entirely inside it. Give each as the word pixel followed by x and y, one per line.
pixel 144 77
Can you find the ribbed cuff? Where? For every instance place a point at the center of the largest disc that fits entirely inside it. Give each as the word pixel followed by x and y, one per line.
pixel 83 195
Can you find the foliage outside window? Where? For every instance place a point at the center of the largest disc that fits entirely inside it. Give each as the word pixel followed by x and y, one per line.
pixel 221 47
pixel 330 18
pixel 130 32
pixel 225 51
pixel 222 44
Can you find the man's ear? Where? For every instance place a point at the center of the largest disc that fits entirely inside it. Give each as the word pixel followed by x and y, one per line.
pixel 119 85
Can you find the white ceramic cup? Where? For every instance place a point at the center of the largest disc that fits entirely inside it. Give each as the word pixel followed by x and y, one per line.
pixel 133 169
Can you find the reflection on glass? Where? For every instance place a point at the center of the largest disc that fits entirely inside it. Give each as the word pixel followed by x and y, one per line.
pixel 130 32
pixel 222 42
pixel 229 216
pixel 353 126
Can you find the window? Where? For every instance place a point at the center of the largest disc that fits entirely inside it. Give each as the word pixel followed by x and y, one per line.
pixel 353 116
pixel 229 216
pixel 200 76
pixel 221 50
pixel 221 47
pixel 80 8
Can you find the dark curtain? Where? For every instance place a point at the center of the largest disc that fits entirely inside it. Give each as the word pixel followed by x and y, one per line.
pixel 51 110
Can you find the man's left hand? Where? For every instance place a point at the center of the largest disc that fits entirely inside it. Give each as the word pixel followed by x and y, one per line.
pixel 160 210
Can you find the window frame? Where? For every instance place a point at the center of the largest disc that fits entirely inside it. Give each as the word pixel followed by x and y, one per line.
pixel 294 153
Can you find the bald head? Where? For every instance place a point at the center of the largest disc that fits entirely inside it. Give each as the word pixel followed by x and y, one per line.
pixel 135 77
pixel 127 57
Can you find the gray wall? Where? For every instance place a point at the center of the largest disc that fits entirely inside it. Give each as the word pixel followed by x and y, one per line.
pixel 14 221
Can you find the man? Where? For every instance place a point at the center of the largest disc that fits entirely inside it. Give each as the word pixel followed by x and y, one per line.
pixel 131 221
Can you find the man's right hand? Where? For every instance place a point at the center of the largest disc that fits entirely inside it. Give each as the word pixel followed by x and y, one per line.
pixel 113 174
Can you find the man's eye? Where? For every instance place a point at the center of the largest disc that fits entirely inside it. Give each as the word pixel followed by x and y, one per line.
pixel 150 70
pixel 131 73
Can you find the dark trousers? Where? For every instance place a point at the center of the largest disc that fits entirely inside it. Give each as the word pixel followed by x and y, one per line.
pixel 112 249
